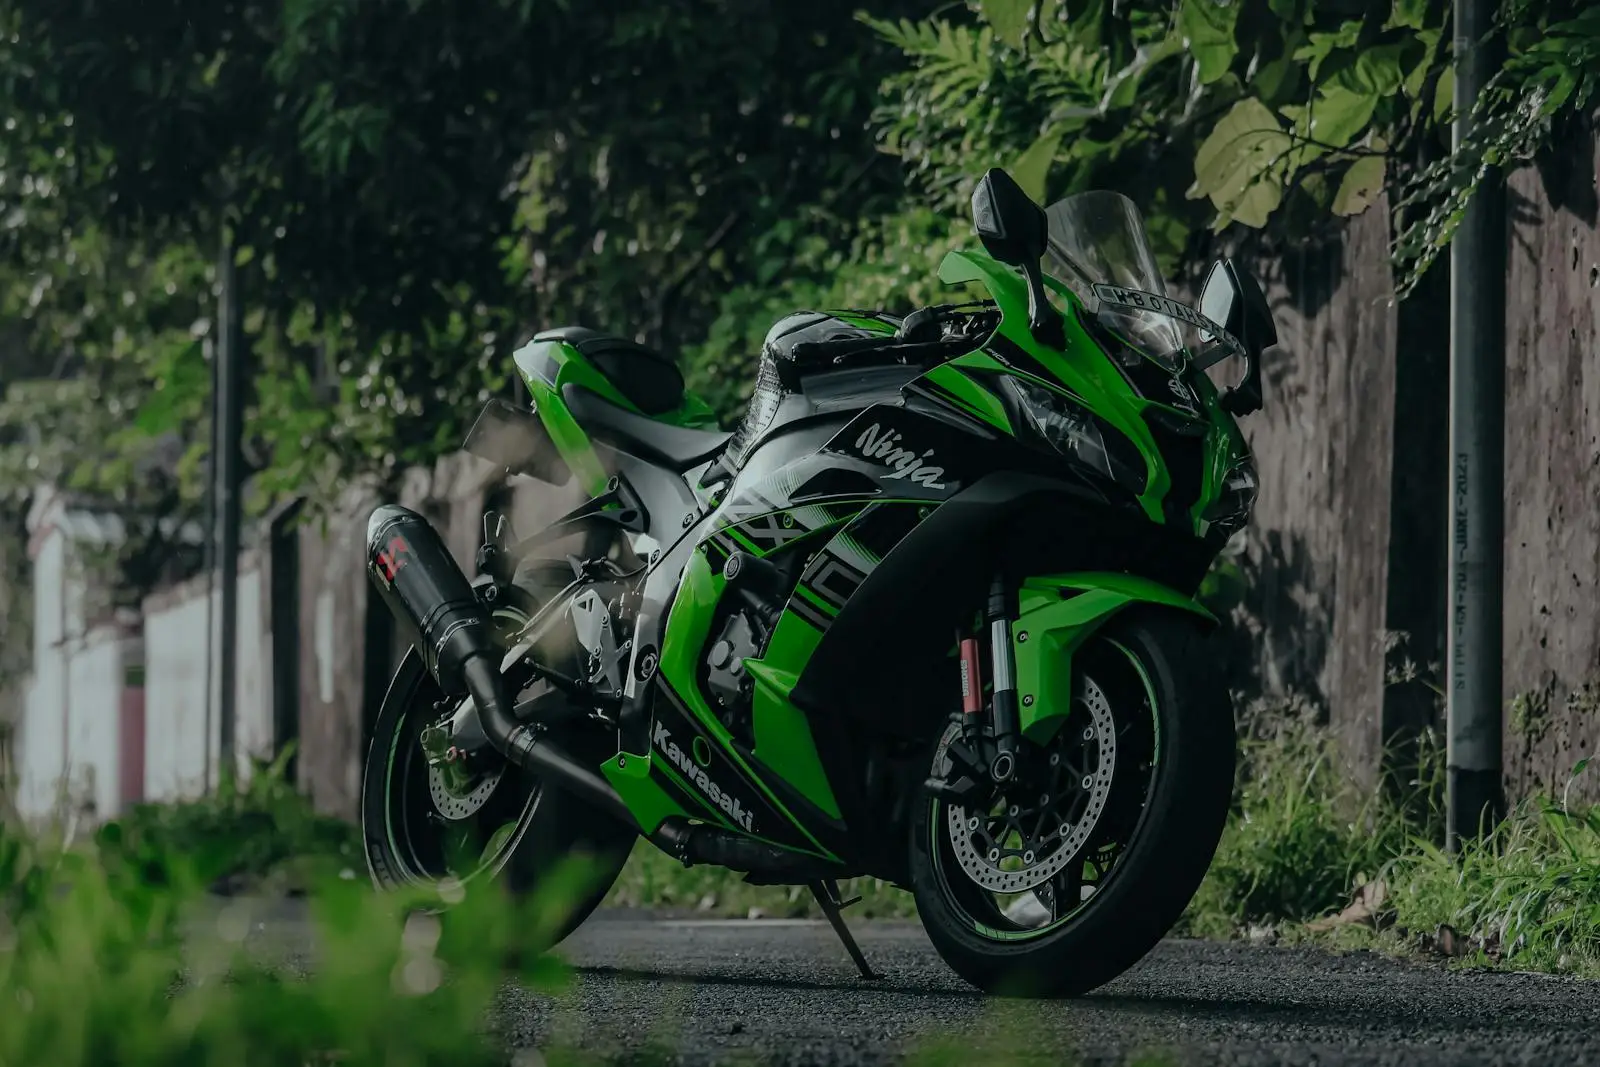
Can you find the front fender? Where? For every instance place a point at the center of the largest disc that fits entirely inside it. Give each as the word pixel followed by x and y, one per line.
pixel 1051 627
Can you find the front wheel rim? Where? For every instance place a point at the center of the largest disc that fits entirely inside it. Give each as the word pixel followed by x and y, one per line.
pixel 984 905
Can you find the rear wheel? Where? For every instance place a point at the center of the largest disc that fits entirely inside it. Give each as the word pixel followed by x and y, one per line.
pixel 441 827
pixel 1087 858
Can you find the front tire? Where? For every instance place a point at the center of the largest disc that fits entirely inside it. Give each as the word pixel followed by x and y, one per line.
pixel 1158 813
pixel 511 827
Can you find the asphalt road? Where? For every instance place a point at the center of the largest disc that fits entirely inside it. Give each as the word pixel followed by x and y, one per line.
pixel 779 992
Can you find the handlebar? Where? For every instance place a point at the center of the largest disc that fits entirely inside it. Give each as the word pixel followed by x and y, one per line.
pixel 904 350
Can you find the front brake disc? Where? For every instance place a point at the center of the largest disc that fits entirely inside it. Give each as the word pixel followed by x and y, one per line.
pixel 1042 855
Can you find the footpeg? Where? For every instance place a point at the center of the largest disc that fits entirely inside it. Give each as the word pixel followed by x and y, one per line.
pixel 827 893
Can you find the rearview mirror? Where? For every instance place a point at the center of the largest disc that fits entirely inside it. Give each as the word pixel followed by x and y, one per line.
pixel 1011 226
pixel 1015 231
pixel 1232 299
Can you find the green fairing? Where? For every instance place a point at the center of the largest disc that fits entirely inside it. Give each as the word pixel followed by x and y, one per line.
pixel 629 774
pixel 1225 445
pixel 972 397
pixel 688 626
pixel 1049 630
pixel 783 736
pixel 570 440
pixel 1081 367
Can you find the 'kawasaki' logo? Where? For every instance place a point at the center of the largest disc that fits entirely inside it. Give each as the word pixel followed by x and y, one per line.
pixel 684 761
pixel 878 443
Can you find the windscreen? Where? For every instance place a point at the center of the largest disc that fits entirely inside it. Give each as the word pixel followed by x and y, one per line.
pixel 1098 249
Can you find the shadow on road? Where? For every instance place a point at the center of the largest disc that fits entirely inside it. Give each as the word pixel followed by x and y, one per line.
pixel 883 985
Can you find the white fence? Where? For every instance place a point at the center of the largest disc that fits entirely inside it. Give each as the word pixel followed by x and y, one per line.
pixel 182 738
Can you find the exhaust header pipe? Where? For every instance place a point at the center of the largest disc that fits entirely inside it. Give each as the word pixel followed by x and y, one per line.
pixel 430 597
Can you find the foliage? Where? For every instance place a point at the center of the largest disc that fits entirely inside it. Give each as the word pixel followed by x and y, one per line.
pixel 1275 114
pixel 1303 834
pixel 409 189
pixel 1551 76
pixel 102 965
pixel 250 828
pixel 1527 896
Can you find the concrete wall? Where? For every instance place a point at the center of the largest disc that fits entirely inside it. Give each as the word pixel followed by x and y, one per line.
pixel 1552 548
pixel 1347 555
pixel 1317 555
pixel 181 742
pixel 71 737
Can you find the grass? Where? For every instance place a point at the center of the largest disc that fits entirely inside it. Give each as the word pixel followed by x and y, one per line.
pixel 1311 857
pixel 257 833
pixel 99 963
pixel 1303 836
pixel 98 968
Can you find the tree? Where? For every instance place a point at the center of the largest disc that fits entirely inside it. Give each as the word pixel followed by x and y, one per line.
pixel 413 185
pixel 1216 112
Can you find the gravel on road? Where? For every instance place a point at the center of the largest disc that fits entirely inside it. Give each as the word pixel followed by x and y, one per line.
pixel 784 992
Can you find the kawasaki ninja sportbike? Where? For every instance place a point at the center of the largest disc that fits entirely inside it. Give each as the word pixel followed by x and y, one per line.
pixel 927 615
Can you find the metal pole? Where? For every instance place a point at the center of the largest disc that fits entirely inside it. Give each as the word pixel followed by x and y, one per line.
pixel 1477 452
pixel 229 412
pixel 209 562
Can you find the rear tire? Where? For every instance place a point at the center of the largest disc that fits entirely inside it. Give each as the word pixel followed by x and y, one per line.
pixel 1168 837
pixel 531 828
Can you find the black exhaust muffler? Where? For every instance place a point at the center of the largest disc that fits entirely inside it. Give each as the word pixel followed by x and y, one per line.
pixel 432 600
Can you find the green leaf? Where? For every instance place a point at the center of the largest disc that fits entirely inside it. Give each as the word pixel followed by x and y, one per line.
pixel 1033 166
pixel 1375 72
pixel 1319 46
pixel 1418 77
pixel 1207 28
pixel 1362 184
pixel 1122 88
pixel 1339 115
pixel 1008 19
pixel 1276 80
pixel 1241 164
pixel 1410 14
pixel 1444 95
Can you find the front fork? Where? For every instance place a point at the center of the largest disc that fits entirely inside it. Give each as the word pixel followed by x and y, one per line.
pixel 986 756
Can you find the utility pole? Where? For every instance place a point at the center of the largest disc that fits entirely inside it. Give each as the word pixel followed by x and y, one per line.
pixel 227 413
pixel 208 560
pixel 1477 460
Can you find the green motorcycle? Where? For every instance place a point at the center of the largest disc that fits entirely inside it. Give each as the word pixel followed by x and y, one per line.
pixel 927 615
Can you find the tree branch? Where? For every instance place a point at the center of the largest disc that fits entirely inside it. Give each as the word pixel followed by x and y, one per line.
pixel 665 294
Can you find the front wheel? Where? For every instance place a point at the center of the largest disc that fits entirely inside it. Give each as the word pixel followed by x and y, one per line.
pixel 1091 853
pixel 433 827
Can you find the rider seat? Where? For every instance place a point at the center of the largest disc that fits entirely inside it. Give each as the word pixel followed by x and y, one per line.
pixel 676 447
pixel 652 382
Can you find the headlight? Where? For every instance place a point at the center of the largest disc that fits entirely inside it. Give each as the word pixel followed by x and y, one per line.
pixel 1078 434
pixel 1234 504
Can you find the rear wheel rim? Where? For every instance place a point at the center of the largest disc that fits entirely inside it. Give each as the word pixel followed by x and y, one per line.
pixel 442 837
pixel 1004 904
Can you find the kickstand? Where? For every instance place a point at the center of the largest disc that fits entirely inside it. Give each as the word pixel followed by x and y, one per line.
pixel 827 894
